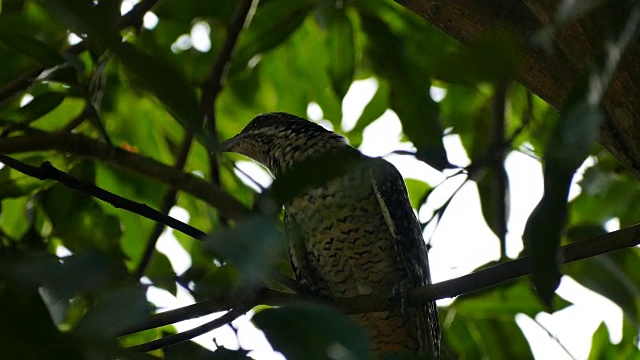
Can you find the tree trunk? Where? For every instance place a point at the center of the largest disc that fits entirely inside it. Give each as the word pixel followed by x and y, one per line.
pixel 550 74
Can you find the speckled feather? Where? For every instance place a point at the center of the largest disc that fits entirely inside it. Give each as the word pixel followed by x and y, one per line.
pixel 356 234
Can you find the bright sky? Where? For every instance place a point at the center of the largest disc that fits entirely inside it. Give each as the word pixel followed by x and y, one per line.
pixel 456 250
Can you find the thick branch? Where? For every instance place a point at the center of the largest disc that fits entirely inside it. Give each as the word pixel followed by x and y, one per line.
pixel 48 171
pixel 550 74
pixel 81 145
pixel 476 281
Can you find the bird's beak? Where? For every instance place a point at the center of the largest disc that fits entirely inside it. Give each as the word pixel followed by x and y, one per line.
pixel 230 145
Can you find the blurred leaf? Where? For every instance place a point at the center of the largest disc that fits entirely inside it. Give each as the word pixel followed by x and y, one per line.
pixel 504 302
pixel 570 144
pixel 30 46
pixel 95 20
pixel 612 275
pixel 340 43
pixel 65 277
pixel 273 23
pixel 252 246
pixel 27 331
pixel 113 312
pixel 288 330
pixel 416 189
pixel 602 348
pixel 18 185
pixel 161 274
pixel 39 106
pixel 77 218
pixel 165 82
pixel 410 91
pixel 494 198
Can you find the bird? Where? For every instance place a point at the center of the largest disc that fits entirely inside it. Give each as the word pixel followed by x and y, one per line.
pixel 352 233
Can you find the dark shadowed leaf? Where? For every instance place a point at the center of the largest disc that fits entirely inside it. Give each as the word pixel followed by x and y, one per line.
pixel 39 106
pixel 313 331
pixel 409 91
pixel 612 275
pixel 96 21
pixel 273 23
pixel 30 46
pixel 114 311
pixel 570 144
pixel 164 81
pixel 340 43
pixel 27 331
pixel 252 246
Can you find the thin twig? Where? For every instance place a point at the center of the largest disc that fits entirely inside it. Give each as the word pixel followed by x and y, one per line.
pixel 190 334
pixel 554 338
pixel 48 171
pixel 476 281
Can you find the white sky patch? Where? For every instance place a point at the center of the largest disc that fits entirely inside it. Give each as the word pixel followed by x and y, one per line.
pixel 314 111
pixel 150 20
pixel 26 99
pixel 612 224
pixel 200 36
pixel 182 43
pixel 437 93
pixel 354 102
pixel 525 191
pixel 257 173
pixel 127 5
pixel 169 245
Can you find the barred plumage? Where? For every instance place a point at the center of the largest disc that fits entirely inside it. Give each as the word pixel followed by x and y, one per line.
pixel 355 234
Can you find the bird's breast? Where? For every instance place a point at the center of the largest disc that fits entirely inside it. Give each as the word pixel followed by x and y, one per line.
pixel 347 242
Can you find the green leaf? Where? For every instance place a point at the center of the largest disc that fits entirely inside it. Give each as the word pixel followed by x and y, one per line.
pixel 113 312
pixel 504 302
pixel 613 275
pixel 164 81
pixel 602 348
pixel 313 331
pixel 416 189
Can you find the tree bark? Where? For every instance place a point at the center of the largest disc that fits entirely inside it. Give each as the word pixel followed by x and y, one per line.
pixel 550 73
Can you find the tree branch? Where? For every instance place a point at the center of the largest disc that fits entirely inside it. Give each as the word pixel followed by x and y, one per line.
pixel 190 334
pixel 548 73
pixel 47 171
pixel 168 201
pixel 84 146
pixel 479 280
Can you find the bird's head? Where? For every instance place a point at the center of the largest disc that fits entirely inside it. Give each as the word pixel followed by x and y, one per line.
pixel 280 140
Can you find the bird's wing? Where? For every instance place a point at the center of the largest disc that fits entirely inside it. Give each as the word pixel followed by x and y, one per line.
pixel 393 199
pixel 297 252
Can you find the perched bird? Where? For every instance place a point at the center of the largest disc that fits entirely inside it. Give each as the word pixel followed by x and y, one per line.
pixel 353 234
